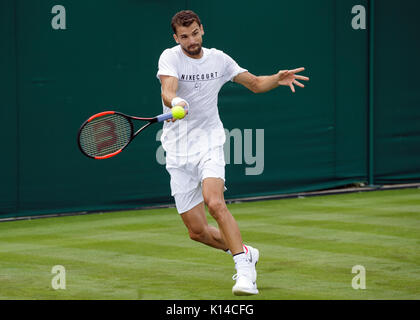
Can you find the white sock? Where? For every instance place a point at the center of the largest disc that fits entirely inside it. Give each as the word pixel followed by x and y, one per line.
pixel 240 259
pixel 245 250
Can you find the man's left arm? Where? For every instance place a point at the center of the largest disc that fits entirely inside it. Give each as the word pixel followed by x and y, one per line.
pixel 260 84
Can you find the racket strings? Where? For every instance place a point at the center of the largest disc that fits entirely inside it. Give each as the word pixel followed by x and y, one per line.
pixel 105 135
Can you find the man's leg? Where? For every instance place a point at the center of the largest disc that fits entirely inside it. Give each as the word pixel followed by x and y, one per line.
pixel 199 230
pixel 213 189
pixel 246 275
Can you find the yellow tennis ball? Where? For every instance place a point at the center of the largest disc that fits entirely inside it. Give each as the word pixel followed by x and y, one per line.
pixel 178 112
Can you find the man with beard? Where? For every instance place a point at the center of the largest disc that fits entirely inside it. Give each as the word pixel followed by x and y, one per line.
pixel 192 76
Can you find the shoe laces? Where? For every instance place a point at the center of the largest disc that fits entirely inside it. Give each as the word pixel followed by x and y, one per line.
pixel 244 271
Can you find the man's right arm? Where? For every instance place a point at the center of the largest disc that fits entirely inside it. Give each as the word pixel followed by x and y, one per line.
pixel 168 78
pixel 169 88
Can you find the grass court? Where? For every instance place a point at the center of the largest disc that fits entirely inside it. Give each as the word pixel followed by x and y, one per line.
pixel 308 247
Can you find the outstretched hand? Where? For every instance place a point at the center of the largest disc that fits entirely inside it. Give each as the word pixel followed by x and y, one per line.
pixel 290 78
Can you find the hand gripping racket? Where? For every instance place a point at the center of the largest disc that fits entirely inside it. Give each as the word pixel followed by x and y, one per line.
pixel 106 134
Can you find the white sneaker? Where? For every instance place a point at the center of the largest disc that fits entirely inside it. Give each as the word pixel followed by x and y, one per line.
pixel 245 280
pixel 252 254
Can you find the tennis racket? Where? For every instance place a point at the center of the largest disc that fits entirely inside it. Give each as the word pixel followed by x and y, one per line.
pixel 106 134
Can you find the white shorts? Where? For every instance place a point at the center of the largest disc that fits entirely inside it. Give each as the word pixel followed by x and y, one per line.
pixel 187 174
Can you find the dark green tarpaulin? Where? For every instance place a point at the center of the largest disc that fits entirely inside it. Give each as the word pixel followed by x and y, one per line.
pixel 106 58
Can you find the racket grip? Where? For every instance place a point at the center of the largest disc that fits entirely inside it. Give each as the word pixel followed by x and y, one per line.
pixel 164 116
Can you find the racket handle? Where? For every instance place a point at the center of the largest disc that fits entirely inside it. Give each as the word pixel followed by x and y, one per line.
pixel 164 116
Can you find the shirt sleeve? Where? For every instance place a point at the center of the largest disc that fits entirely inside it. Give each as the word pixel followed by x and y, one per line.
pixel 167 64
pixel 232 69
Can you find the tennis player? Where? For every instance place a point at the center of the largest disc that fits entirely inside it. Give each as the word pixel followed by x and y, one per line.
pixel 192 76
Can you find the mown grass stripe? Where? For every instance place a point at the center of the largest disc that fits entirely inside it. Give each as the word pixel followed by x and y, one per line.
pixel 308 247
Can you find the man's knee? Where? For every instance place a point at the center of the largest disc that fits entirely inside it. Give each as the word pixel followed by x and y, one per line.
pixel 199 235
pixel 217 208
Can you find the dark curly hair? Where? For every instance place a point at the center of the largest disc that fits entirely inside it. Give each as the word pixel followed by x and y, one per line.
pixel 184 18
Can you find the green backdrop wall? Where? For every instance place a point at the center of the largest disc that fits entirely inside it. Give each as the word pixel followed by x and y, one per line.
pixel 397 98
pixel 106 58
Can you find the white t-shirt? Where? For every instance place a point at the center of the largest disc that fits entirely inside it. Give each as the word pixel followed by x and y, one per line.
pixel 199 83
